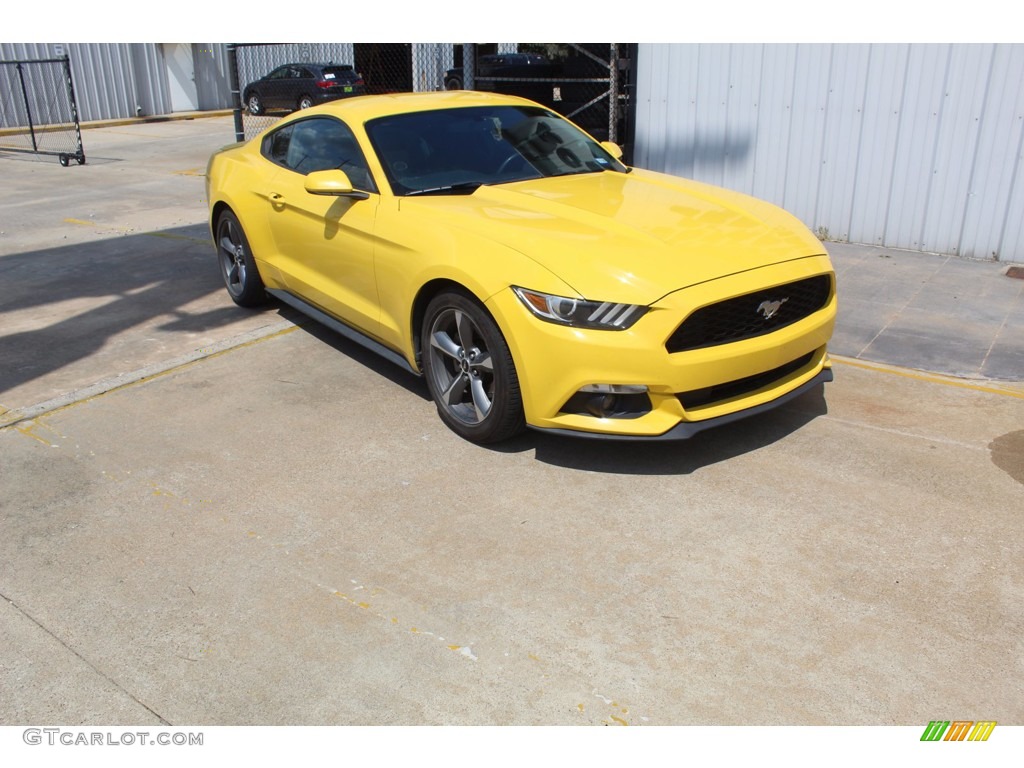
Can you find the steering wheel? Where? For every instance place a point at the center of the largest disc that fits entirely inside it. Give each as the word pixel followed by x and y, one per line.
pixel 509 161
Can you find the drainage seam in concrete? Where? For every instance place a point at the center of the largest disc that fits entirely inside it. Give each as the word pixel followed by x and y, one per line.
pixel 104 386
pixel 85 661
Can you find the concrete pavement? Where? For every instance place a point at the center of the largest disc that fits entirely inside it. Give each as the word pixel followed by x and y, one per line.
pixel 933 313
pixel 108 267
pixel 213 516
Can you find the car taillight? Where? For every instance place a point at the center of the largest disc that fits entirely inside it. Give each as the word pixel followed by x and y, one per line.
pixel 359 80
pixel 325 83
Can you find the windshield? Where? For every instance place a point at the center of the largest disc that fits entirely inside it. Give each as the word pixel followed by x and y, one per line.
pixel 454 151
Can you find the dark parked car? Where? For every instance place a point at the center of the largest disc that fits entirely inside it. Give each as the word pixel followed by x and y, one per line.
pixel 530 65
pixel 300 86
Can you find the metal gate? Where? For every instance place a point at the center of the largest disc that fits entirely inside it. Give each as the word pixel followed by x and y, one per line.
pixel 590 83
pixel 38 113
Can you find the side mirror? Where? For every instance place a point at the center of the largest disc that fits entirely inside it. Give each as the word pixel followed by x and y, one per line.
pixel 612 149
pixel 335 183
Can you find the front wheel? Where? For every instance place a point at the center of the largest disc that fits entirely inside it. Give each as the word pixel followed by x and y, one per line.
pixel 237 265
pixel 305 102
pixel 469 370
pixel 254 104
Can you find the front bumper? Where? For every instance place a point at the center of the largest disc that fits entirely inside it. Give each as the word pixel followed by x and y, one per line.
pixel 684 430
pixel 753 375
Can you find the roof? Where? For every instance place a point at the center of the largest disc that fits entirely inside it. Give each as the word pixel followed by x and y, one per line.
pixel 359 109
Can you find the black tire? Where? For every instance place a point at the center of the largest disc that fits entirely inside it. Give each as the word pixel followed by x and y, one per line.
pixel 454 84
pixel 305 102
pixel 237 265
pixel 469 370
pixel 63 160
pixel 254 104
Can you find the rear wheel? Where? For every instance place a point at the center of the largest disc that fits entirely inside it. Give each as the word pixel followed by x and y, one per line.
pixel 305 102
pixel 237 265
pixel 469 370
pixel 254 104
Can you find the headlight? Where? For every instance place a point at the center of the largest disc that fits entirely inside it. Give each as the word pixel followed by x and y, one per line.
pixel 579 313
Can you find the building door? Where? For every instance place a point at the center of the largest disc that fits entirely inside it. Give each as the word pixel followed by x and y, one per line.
pixel 181 76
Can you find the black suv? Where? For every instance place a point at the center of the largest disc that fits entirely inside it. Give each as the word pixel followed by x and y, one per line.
pixel 299 86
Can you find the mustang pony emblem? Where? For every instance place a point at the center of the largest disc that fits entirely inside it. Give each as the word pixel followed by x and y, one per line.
pixel 770 308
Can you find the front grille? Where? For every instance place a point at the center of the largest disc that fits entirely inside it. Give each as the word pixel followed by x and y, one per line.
pixel 699 397
pixel 744 317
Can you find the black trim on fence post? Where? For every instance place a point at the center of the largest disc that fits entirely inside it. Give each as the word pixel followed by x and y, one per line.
pixel 613 93
pixel 630 90
pixel 236 91
pixel 469 66
pixel 28 106
pixel 80 154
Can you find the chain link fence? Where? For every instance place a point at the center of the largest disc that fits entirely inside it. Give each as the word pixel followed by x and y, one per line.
pixel 590 83
pixel 38 113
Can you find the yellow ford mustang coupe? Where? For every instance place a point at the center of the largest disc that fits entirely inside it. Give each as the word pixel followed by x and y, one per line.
pixel 493 247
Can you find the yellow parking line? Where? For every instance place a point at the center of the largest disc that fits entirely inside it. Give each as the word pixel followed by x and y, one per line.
pixel 992 389
pixel 87 223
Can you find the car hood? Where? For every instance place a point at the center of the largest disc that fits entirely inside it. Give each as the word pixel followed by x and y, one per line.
pixel 629 237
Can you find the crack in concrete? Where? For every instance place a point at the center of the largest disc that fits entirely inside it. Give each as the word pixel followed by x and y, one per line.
pixel 89 664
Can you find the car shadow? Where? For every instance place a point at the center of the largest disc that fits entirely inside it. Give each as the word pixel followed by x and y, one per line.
pixel 677 457
pixel 413 384
pixel 632 457
pixel 78 297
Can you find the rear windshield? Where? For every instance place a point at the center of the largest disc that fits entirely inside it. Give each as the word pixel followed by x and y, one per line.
pixel 342 73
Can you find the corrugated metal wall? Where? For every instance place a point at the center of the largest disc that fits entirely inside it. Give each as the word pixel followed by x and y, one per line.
pixel 103 76
pixel 913 146
pixel 114 80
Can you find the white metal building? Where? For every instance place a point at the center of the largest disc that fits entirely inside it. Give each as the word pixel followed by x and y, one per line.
pixel 912 146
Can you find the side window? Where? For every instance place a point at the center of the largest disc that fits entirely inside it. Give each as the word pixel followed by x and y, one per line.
pixel 275 146
pixel 319 144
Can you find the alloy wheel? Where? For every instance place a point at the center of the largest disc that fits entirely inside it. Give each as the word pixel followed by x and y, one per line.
pixel 232 256
pixel 462 367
